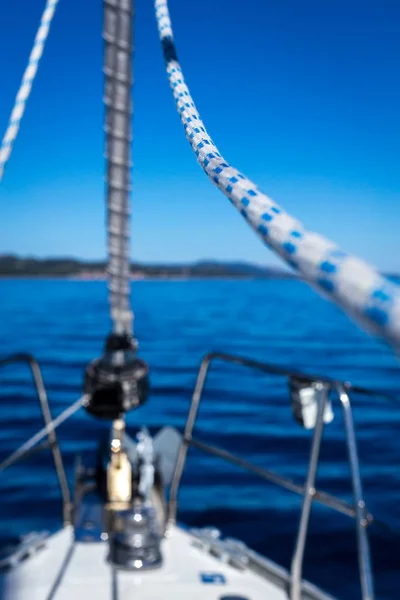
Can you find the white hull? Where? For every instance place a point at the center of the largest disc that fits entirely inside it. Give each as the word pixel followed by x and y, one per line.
pixel 64 569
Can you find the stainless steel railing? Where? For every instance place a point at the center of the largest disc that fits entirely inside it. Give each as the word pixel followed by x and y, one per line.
pixel 52 441
pixel 356 510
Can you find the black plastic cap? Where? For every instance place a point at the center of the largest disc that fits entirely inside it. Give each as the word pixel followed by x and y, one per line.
pixel 116 383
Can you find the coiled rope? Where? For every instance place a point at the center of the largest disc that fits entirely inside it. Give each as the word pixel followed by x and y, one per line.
pixel 26 84
pixel 360 290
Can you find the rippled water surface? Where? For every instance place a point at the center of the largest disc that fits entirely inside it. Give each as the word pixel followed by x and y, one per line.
pixel 64 324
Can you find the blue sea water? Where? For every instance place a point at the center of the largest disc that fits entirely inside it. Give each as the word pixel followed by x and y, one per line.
pixel 64 323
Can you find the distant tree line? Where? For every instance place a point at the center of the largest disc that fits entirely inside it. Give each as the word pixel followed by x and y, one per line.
pixel 15 266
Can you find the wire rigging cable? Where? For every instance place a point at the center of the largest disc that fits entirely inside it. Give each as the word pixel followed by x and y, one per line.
pixel 26 84
pixel 359 289
pixel 45 431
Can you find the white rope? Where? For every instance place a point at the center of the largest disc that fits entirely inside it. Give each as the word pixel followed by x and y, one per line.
pixel 355 286
pixel 35 439
pixel 26 84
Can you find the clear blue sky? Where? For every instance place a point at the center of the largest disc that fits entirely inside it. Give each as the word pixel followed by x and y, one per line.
pixel 302 96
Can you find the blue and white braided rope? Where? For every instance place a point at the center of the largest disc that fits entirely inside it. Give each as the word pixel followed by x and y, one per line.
pixel 26 84
pixel 359 289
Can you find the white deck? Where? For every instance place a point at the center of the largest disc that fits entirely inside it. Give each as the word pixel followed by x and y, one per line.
pixel 69 570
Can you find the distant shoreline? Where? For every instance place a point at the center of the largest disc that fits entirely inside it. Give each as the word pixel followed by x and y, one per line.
pixel 72 269
pixel 16 267
pixel 45 277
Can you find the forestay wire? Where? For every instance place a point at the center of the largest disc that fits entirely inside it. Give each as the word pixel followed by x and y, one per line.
pixel 359 289
pixel 26 84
